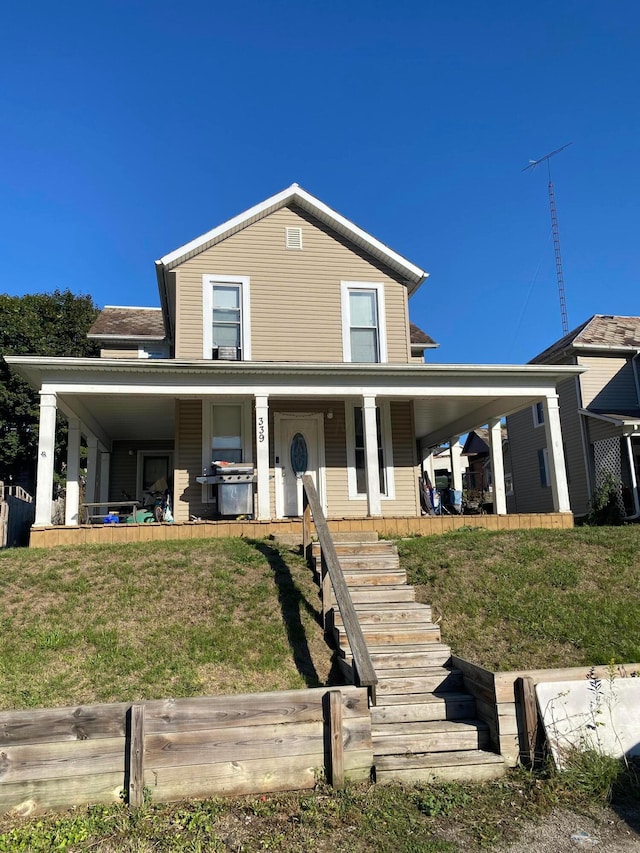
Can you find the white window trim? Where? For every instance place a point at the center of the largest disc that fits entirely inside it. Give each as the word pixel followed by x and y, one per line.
pixel 207 428
pixel 244 282
pixel 387 449
pixel 537 421
pixel 345 288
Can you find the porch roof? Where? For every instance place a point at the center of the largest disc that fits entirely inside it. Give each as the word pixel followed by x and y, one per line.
pixel 122 398
pixel 629 422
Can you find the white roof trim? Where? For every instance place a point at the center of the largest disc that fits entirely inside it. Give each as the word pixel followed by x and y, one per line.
pixel 127 337
pixel 295 194
pixel 132 308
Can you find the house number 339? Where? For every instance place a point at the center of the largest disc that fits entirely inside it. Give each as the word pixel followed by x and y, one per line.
pixel 261 429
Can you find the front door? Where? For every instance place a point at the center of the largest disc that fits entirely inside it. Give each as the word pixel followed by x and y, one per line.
pixel 298 454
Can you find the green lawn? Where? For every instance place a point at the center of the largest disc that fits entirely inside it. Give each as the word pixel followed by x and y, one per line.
pixel 145 621
pixel 533 599
pixel 98 624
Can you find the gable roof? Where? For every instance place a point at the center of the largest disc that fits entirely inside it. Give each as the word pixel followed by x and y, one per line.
pixel 607 332
pixel 413 275
pixel 118 322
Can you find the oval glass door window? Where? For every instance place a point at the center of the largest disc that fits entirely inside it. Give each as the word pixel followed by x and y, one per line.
pixel 299 454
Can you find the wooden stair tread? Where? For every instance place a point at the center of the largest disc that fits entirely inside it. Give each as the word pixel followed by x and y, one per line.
pixel 424 727
pixel 429 649
pixel 428 672
pixel 451 706
pixel 459 757
pixel 345 549
pixel 390 617
pixel 408 686
pixel 394 593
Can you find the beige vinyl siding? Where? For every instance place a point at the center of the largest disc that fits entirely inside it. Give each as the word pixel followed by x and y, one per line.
pixel 572 438
pixel 608 384
pixel 405 461
pixel 295 294
pixel 525 440
pixel 188 461
pixel 121 352
pixel 123 471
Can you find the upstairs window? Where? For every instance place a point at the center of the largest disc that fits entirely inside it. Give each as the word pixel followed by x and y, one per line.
pixel 363 327
pixel 226 318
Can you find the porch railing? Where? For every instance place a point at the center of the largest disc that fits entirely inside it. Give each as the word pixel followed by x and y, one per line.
pixel 364 672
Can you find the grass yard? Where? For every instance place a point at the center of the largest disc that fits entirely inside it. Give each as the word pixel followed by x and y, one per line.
pixel 533 599
pixel 101 624
pixel 154 620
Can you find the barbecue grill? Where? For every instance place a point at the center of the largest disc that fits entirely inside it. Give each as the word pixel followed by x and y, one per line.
pixel 234 483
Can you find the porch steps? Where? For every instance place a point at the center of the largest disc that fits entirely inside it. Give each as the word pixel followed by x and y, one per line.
pixel 424 725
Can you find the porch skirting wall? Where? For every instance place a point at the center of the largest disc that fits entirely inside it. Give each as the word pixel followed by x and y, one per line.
pixel 111 534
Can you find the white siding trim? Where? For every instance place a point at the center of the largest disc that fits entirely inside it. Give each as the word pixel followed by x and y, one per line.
pixel 244 282
pixel 345 288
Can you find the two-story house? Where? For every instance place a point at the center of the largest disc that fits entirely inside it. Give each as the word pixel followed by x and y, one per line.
pixel 600 415
pixel 282 344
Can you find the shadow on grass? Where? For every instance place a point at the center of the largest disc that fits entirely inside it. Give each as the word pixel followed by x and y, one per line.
pixel 292 601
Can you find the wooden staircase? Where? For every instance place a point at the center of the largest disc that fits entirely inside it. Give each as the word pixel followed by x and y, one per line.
pixel 423 725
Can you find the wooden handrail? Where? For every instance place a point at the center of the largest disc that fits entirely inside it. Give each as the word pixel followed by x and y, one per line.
pixel 363 667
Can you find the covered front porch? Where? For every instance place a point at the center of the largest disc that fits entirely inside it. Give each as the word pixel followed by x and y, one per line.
pixel 361 431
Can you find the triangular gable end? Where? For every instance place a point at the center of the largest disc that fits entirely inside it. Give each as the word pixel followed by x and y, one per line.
pixel 412 275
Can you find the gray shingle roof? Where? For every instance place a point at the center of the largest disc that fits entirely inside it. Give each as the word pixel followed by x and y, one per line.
pixel 119 322
pixel 602 331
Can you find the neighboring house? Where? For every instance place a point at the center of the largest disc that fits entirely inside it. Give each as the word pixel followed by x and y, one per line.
pixel 600 415
pixel 283 343
pixel 444 465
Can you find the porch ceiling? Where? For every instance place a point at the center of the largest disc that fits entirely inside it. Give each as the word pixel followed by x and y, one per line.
pixel 124 417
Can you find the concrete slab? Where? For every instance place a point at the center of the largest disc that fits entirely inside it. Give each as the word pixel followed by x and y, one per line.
pixel 599 714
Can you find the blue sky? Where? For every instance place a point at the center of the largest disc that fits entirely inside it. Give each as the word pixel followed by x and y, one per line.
pixel 129 128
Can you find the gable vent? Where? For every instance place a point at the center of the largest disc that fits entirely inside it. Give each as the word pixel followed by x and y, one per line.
pixel 293 238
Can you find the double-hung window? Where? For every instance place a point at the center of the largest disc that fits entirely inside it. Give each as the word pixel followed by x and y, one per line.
pixel 226 317
pixel 356 455
pixel 363 322
pixel 360 459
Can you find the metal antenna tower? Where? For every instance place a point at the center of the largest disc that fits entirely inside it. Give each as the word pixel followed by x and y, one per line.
pixel 554 230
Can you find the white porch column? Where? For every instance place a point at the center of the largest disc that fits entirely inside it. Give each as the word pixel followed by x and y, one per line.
pixel 262 457
pixel 371 455
pixel 427 464
pixel 46 449
pixel 456 467
pixel 555 454
pixel 92 468
pixel 105 463
pixel 72 500
pixel 497 466
pixel 634 479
